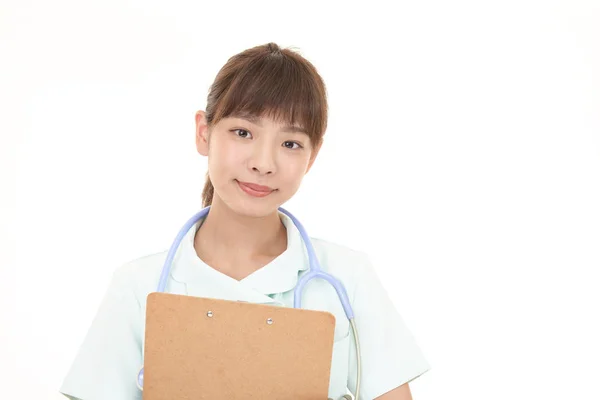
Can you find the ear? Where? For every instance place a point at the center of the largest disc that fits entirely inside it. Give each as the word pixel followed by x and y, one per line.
pixel 201 133
pixel 313 156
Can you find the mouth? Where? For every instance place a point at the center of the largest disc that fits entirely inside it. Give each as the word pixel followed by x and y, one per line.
pixel 255 190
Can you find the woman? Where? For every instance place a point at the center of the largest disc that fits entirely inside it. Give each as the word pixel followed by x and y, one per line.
pixel 264 123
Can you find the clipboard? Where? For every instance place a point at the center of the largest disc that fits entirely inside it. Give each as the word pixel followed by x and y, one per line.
pixel 203 348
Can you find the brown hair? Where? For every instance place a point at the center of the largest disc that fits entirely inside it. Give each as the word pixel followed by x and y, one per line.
pixel 268 81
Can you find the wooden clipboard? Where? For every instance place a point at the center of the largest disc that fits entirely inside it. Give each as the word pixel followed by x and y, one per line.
pixel 202 348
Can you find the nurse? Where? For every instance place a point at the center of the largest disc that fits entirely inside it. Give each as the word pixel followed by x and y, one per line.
pixel 265 118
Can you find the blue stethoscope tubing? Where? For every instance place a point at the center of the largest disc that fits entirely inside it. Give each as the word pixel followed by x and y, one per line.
pixel 314 271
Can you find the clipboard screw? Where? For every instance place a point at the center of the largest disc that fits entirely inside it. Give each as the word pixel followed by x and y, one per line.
pixel 209 314
pixel 270 321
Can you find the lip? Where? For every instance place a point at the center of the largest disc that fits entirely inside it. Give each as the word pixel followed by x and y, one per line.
pixel 254 189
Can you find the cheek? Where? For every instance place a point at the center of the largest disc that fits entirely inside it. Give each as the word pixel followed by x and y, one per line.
pixel 293 170
pixel 222 156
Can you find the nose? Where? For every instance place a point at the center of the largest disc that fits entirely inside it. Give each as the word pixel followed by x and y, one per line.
pixel 263 159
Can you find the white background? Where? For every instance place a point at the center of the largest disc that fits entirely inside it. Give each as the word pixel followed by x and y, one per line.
pixel 463 154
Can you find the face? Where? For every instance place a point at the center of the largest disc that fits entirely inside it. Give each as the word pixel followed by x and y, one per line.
pixel 255 165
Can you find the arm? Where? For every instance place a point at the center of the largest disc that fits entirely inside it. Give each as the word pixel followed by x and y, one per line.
pixel 107 362
pixel 400 393
pixel 390 355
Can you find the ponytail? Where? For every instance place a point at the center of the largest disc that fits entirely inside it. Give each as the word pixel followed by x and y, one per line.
pixel 207 192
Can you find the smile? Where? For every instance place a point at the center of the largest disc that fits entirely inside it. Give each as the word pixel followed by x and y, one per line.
pixel 255 190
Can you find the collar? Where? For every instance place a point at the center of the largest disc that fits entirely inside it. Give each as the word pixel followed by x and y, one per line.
pixel 278 276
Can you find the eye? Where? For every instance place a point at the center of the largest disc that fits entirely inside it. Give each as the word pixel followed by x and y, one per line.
pixel 290 145
pixel 244 133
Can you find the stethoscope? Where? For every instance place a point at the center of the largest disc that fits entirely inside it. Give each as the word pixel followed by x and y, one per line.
pixel 314 271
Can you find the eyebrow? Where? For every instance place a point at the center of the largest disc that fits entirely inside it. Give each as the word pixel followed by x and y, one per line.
pixel 256 121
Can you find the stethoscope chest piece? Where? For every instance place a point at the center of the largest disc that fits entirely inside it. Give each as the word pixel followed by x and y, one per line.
pixel 140 379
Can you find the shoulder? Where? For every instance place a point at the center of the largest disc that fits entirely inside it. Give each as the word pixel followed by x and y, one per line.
pixel 140 274
pixel 332 252
pixel 343 262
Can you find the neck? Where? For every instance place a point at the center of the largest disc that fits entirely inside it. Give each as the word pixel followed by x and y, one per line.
pixel 236 244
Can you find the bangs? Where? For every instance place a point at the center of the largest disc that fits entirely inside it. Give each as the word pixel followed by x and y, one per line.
pixel 277 87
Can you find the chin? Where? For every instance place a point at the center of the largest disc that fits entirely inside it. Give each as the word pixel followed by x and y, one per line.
pixel 253 209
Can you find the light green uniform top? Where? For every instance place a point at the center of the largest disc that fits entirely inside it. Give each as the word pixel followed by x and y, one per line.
pixel 111 355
